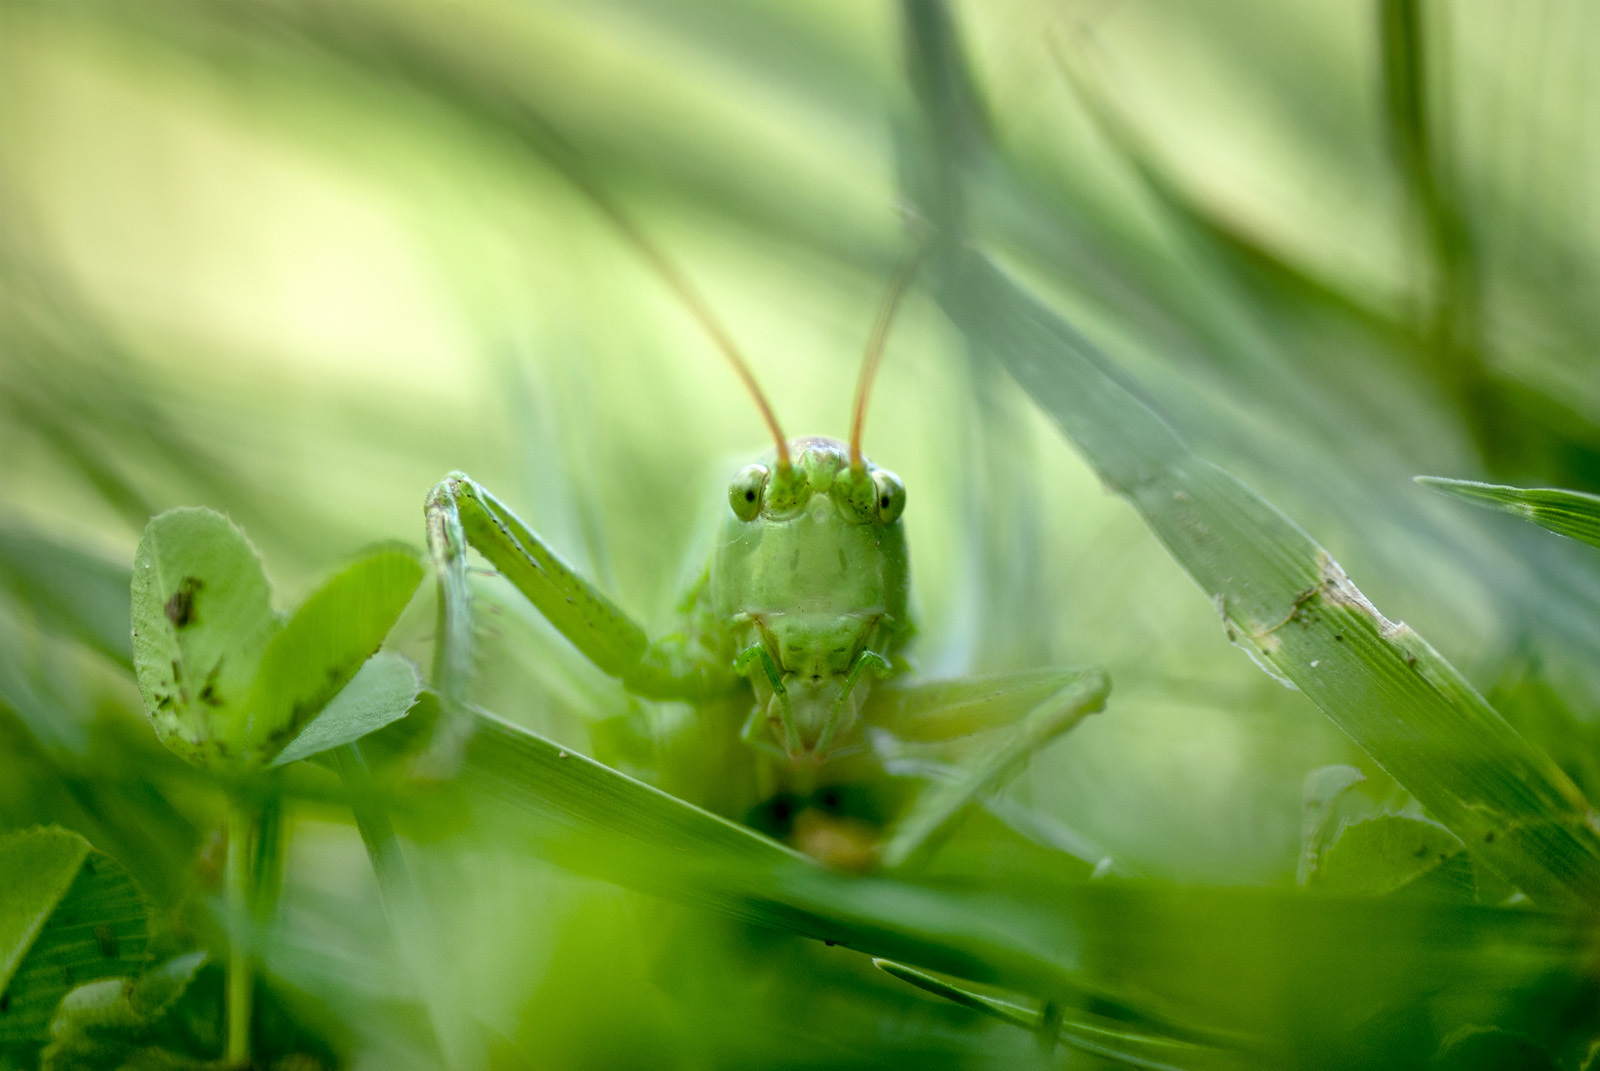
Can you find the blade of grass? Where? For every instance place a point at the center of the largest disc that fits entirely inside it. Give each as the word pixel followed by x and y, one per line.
pixel 409 915
pixel 1282 597
pixel 590 818
pixel 1118 1046
pixel 1573 514
pixel 1292 970
pixel 1438 216
pixel 74 592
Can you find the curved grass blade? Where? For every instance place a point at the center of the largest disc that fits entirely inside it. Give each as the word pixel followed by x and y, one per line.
pixel 1111 1043
pixel 592 819
pixel 1574 514
pixel 1282 597
pixel 1300 976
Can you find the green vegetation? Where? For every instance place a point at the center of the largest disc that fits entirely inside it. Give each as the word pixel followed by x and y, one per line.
pixel 275 268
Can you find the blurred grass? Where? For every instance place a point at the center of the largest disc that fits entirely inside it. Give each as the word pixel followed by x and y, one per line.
pixel 296 261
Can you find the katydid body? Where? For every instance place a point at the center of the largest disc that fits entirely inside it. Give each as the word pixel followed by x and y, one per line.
pixel 793 640
pixel 791 651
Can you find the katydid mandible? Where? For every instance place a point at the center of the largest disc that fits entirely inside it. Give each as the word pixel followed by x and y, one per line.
pixel 792 645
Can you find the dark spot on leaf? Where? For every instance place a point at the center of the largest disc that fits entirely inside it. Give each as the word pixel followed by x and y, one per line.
pixel 1422 849
pixel 106 939
pixel 208 694
pixel 1338 637
pixel 180 608
pixel 177 680
pixel 1488 837
pixel 830 944
pixel 5 1002
pixel 88 866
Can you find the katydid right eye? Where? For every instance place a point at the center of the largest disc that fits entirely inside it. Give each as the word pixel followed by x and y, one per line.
pixel 744 494
pixel 891 495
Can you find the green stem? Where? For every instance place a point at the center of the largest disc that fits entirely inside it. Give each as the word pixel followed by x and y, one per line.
pixel 242 820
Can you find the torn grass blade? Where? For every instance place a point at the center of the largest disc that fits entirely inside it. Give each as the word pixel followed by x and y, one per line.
pixel 1285 601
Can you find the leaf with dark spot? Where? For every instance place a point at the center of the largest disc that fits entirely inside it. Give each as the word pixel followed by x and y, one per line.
pixel 180 608
pixel 202 618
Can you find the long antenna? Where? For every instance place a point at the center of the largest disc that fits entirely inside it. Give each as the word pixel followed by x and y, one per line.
pixel 874 354
pixel 564 157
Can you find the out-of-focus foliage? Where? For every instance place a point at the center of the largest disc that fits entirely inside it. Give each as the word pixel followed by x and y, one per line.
pixel 68 915
pixel 295 261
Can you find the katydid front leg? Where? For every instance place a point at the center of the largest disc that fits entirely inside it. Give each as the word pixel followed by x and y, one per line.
pixel 1027 710
pixel 461 513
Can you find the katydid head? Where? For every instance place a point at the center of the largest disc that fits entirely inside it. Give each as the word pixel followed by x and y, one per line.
pixel 812 575
pixel 810 572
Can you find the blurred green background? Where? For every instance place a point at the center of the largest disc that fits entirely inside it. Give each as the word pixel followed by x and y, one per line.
pixel 296 261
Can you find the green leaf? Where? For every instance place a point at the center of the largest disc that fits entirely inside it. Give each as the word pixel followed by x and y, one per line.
pixel 72 591
pixel 68 914
pixel 1392 852
pixel 322 646
pixel 36 869
pixel 1319 798
pixel 202 618
pixel 1574 514
pixel 105 1024
pixel 382 691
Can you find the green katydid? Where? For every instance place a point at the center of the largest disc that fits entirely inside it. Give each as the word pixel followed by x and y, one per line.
pixel 791 649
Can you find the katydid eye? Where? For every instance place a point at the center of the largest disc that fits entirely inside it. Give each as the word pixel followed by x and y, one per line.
pixel 744 494
pixel 891 495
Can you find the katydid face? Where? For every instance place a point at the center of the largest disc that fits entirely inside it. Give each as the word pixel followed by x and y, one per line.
pixel 810 576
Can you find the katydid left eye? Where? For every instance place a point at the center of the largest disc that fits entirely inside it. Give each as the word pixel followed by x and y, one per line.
pixel 744 494
pixel 891 495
